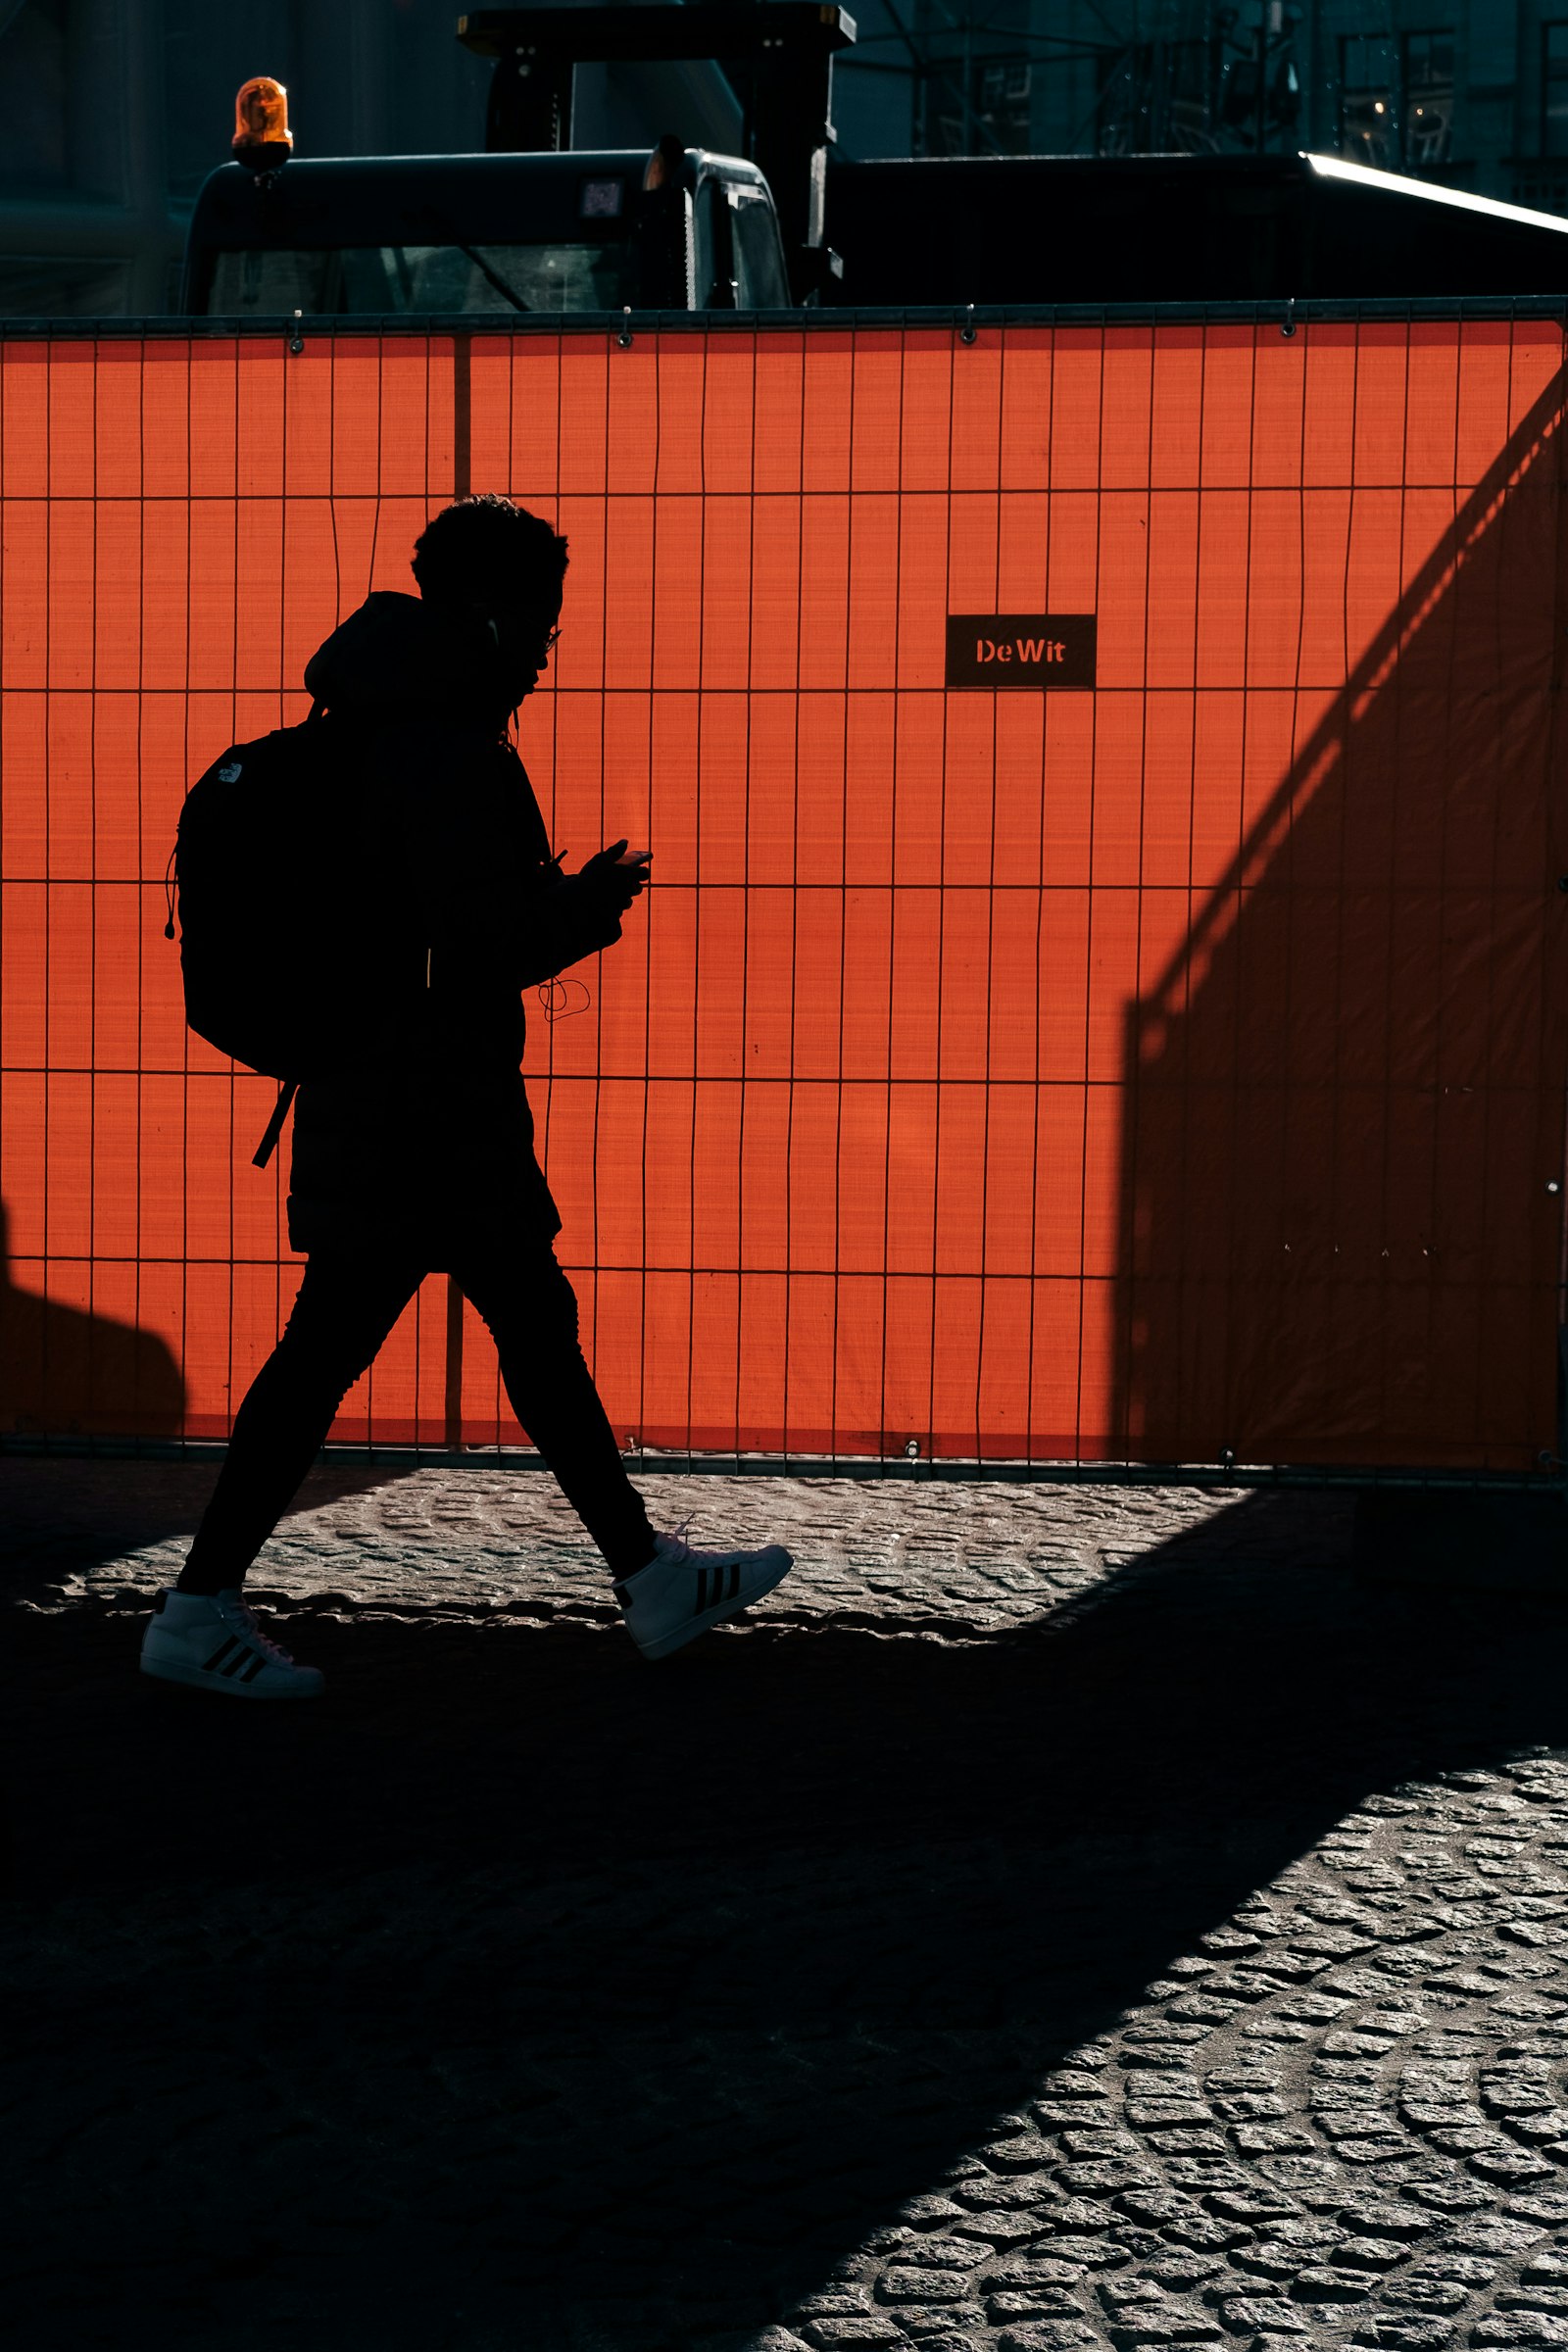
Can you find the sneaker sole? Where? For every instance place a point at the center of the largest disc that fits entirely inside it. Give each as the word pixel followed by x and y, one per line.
pixel 196 1677
pixel 665 1644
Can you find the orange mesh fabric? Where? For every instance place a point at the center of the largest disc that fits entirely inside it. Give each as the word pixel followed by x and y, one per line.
pixel 1141 1073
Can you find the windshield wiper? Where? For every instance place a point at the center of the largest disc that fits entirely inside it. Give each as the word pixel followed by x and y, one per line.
pixel 494 276
pixel 470 254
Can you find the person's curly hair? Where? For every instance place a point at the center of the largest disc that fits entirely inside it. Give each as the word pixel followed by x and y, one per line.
pixel 485 546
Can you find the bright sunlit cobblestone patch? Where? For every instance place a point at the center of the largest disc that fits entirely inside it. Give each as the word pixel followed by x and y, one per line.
pixel 1342 2117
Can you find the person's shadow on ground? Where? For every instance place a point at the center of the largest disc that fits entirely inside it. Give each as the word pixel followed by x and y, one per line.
pixel 521 1994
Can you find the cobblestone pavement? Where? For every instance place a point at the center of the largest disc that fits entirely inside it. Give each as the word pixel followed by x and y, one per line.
pixel 1056 1919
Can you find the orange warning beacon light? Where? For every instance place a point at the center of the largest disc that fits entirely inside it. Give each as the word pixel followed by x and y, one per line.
pixel 263 139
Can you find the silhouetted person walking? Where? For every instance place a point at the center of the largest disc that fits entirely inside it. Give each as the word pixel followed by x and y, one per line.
pixel 416 1154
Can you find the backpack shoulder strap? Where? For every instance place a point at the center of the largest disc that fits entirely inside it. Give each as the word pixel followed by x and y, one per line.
pixel 286 1093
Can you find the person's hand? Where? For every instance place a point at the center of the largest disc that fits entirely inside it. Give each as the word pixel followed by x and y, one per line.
pixel 610 877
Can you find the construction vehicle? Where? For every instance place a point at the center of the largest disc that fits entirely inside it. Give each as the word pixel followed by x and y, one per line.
pixel 532 224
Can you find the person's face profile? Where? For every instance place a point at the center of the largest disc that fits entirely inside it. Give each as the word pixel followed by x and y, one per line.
pixel 524 633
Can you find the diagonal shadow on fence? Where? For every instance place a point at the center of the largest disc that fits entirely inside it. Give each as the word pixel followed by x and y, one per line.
pixel 1343 1094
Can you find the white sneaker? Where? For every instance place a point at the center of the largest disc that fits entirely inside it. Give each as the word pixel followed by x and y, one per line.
pixel 214 1642
pixel 681 1593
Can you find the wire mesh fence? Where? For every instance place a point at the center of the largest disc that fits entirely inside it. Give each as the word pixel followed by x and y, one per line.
pixel 1103 995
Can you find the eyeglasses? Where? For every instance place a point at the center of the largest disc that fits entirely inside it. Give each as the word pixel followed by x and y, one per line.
pixel 516 625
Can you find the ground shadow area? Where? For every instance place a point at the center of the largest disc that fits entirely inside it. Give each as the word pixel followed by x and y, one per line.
pixel 526 1996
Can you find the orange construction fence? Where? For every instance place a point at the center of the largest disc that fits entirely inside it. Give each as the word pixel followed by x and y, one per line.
pixel 1103 997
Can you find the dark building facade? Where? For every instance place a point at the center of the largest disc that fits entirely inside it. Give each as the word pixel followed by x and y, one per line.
pixel 1473 92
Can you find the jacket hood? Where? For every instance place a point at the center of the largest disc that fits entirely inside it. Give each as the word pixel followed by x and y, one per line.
pixel 398 653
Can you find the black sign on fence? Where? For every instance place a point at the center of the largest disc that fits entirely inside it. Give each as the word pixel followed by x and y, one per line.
pixel 998 651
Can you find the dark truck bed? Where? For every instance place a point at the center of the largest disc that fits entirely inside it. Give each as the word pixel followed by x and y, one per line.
pixel 1172 229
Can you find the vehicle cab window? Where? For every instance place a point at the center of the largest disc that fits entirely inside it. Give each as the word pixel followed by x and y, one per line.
pixel 418 278
pixel 759 280
pixel 740 262
pixel 713 224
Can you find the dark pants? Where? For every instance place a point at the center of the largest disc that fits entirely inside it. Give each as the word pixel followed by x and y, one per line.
pixel 347 1304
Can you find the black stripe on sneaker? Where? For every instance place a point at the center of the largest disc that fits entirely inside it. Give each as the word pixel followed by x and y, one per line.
pixel 734 1578
pixel 256 1662
pixel 221 1652
pixel 700 1603
pixel 235 1663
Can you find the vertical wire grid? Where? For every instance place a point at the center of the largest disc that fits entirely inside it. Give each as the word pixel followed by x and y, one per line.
pixel 1513 494
pixel 461 484
pixel 510 479
pixel 274 1173
pixel 188 456
pixel 891 897
pixel 1286 854
pixel 234 1080
pixel 1456 503
pixel 1132 1073
pixel 1184 1027
pixel 8 913
pixel 1558 1132
pixel 48 851
pixel 794 910
pixel 1087 1097
pixel 1382 1270
pixel 379 476
pixel 696 889
pixel 928 1434
pixel 605 512
pixel 1224 1439
pixel 8 1236
pixel 138 1246
pixel 92 916
pixel 745 1286
pixel 1331 1276
pixel 895 707
pixel 656 456
pixel 542 1136
pixel 846 708
pixel 338 616
pixel 1538 461
pixel 646 1082
pixel 1455 586
pixel 981 1271
pixel 1560 1137
pixel 333 493
pixel 1042 895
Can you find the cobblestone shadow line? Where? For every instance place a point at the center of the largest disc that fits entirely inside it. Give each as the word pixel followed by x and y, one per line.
pixel 526 1996
pixel 62 1519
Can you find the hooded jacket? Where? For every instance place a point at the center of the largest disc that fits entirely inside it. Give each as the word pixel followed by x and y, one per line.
pixel 424 1136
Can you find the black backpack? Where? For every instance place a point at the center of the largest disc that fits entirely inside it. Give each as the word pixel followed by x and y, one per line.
pixel 266 866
